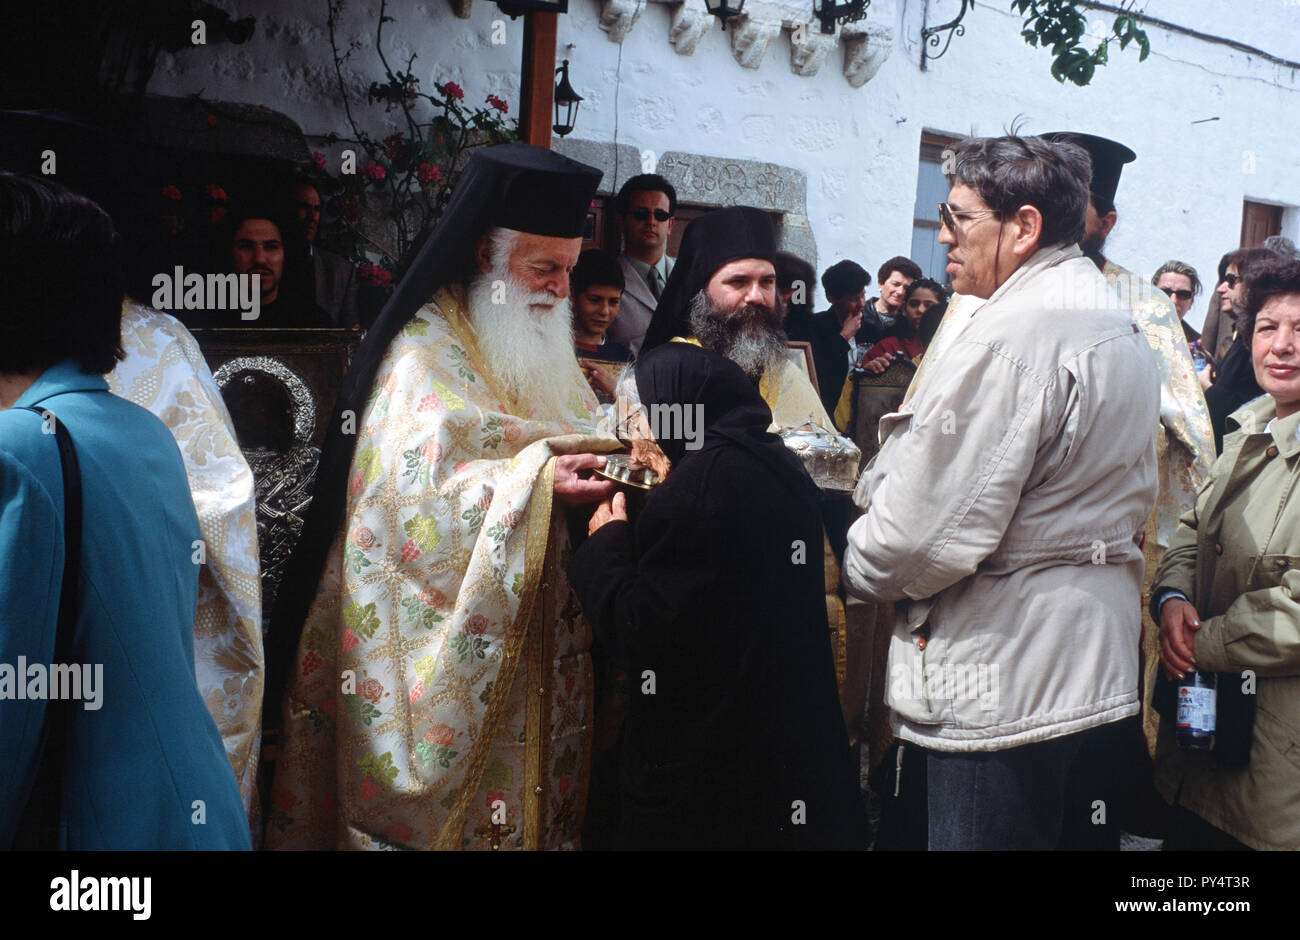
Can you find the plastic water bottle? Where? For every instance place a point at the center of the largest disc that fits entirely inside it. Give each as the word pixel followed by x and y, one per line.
pixel 1199 360
pixel 1196 709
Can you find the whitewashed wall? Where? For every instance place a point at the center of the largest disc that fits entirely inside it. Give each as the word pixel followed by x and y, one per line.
pixel 857 146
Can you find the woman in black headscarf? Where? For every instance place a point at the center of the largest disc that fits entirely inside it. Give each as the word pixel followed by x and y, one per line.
pixel 713 602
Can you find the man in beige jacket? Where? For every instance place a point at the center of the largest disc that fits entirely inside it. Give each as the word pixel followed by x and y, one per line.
pixel 1003 514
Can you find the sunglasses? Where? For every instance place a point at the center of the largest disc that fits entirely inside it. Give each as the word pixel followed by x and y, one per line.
pixel 948 217
pixel 1231 280
pixel 1180 294
pixel 643 213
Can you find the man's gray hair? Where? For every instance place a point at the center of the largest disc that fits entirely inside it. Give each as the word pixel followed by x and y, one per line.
pixel 1010 172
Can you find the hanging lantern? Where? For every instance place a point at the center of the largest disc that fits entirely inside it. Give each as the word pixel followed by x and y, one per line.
pixel 723 9
pixel 566 102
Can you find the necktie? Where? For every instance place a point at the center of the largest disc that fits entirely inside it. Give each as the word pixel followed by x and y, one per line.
pixel 652 278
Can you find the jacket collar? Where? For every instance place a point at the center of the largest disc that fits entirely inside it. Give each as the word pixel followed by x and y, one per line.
pixel 62 377
pixel 1039 261
pixel 1257 413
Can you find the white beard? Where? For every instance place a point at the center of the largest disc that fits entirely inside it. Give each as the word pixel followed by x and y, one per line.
pixel 527 350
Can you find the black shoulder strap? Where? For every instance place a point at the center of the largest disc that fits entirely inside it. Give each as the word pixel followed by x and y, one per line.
pixel 41 820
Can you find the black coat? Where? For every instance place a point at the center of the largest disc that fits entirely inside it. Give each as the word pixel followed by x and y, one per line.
pixel 709 596
pixel 831 358
pixel 1234 386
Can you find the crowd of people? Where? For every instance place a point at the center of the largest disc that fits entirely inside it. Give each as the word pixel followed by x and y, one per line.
pixel 487 640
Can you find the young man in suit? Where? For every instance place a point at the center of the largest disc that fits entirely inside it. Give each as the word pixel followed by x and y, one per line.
pixel 646 207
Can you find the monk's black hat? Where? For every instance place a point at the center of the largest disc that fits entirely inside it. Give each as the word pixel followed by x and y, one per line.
pixel 1108 159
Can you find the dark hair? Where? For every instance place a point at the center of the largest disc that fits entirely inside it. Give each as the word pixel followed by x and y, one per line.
pixel 905 266
pixel 595 267
pixel 926 283
pixel 646 183
pixel 297 281
pixel 930 322
pixel 1269 278
pixel 1010 172
pixel 844 278
pixel 1246 259
pixel 792 270
pixel 60 276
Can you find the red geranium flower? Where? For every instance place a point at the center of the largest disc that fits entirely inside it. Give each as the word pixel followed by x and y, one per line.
pixel 427 173
pixel 215 192
pixel 172 193
pixel 452 90
pixel 212 120
pixel 318 158
pixel 374 171
pixel 374 274
pixel 498 103
pixel 216 214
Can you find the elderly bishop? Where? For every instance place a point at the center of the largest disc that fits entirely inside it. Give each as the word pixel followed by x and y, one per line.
pixel 437 668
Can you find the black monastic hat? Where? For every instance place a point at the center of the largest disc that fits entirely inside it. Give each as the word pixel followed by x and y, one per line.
pixel 1108 159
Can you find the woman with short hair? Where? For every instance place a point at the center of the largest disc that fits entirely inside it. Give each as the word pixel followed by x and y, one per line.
pixel 139 762
pixel 1227 598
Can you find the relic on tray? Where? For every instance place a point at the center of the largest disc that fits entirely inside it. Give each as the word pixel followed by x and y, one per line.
pixel 621 468
pixel 831 459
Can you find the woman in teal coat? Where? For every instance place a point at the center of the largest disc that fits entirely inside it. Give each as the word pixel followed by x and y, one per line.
pixel 143 766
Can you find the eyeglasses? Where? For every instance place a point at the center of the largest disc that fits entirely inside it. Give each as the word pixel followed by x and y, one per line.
pixel 1231 280
pixel 948 217
pixel 1180 294
pixel 643 213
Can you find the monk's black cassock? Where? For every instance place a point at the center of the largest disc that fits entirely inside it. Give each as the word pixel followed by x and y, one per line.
pixel 742 744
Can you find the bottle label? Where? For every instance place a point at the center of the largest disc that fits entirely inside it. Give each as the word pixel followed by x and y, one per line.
pixel 1195 710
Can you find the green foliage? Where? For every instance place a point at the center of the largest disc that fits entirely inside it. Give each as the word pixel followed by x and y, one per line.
pixel 1059 26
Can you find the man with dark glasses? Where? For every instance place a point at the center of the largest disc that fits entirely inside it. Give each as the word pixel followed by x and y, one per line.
pixel 645 208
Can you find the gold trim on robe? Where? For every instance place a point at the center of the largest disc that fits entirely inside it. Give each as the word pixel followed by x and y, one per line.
pixel 441 689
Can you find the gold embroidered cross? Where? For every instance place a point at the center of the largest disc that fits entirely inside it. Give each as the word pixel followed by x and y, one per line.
pixel 495 832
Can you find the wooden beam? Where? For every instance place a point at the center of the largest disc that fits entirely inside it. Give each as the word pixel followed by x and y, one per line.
pixel 537 87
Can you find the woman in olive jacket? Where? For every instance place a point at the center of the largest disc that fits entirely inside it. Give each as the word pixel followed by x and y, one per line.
pixel 1227 598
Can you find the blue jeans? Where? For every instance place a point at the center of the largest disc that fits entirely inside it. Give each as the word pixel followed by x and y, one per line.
pixel 1063 793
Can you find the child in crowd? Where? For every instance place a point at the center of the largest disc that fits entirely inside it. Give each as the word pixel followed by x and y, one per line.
pixel 596 287
pixel 903 338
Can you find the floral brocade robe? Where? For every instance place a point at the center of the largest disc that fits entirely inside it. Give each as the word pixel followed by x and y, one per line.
pixel 165 373
pixel 441 695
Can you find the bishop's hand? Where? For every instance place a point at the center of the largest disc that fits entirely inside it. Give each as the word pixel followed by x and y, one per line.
pixel 574 483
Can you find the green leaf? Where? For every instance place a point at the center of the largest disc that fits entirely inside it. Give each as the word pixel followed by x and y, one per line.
pixel 363 620
pixel 423 531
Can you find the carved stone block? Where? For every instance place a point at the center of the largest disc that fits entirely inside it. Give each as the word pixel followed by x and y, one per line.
pixel 689 23
pixel 617 17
